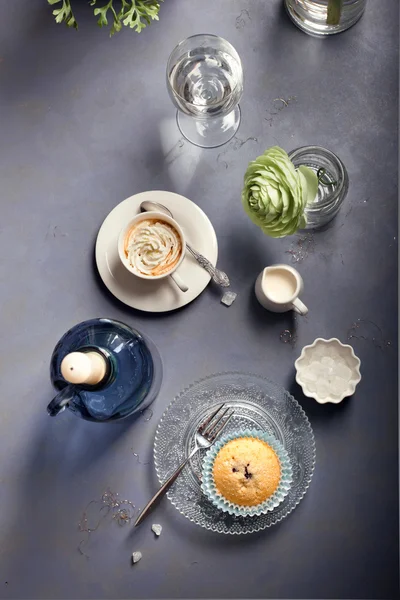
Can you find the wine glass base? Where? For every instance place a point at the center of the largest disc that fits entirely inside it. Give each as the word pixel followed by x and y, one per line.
pixel 210 132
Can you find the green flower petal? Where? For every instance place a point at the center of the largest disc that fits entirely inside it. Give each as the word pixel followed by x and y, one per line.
pixel 275 194
pixel 309 184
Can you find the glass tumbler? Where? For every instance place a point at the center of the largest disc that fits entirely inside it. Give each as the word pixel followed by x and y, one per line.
pixel 205 82
pixel 333 183
pixel 324 17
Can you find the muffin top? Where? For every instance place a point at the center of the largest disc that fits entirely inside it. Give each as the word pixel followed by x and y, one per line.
pixel 246 471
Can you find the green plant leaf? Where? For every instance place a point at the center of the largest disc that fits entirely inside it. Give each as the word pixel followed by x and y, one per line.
pixel 101 12
pixel 64 14
pixel 117 26
pixel 136 14
pixel 137 11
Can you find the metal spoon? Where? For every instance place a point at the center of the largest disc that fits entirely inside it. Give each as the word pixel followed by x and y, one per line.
pixel 218 276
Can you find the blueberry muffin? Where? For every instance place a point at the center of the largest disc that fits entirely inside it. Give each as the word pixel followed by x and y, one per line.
pixel 246 471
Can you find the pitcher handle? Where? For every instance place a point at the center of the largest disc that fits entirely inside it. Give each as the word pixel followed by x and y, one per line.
pixel 61 401
pixel 299 307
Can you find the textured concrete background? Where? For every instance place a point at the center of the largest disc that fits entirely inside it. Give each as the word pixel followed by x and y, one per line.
pixel 85 122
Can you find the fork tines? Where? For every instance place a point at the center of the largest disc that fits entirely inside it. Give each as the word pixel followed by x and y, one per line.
pixel 203 425
pixel 215 422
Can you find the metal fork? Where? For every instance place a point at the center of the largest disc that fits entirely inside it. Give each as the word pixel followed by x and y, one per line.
pixel 205 436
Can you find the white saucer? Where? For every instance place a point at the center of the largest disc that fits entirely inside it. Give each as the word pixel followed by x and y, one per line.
pixel 163 295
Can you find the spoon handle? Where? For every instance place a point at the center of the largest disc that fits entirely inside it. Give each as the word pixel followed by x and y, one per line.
pixel 218 276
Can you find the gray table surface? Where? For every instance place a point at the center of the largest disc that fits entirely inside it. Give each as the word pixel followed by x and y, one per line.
pixel 81 118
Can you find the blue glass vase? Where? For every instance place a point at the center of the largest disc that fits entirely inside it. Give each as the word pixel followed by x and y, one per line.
pixel 132 375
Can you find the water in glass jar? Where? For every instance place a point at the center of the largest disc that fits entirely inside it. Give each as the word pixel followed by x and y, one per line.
pixel 206 82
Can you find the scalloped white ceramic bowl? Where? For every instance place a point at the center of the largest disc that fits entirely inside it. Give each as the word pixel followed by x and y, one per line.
pixel 328 370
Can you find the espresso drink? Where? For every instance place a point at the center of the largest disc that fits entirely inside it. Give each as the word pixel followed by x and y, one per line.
pixel 153 247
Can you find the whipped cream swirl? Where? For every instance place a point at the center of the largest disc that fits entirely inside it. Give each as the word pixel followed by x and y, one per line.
pixel 153 247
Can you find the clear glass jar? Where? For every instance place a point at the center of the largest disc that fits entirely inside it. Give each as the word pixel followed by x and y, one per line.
pixel 333 183
pixel 323 17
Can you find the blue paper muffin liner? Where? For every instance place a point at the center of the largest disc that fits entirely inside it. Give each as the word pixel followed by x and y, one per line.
pixel 208 485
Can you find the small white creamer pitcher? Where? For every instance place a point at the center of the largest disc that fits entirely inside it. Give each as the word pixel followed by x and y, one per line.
pixel 278 288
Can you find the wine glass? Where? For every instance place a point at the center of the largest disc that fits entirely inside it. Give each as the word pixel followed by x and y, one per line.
pixel 205 82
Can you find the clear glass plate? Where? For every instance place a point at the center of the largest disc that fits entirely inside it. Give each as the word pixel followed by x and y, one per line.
pixel 259 404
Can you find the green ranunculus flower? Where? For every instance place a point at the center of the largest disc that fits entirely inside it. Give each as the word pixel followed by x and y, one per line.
pixel 275 193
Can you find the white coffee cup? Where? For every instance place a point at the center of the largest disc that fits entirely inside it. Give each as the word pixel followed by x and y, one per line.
pixel 278 287
pixel 172 272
